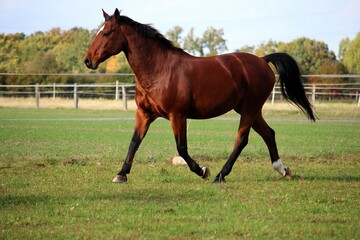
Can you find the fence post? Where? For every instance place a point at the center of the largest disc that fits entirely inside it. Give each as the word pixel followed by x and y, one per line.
pixel 76 96
pixel 117 91
pixel 54 91
pixel 37 95
pixel 313 94
pixel 273 95
pixel 358 98
pixel 124 98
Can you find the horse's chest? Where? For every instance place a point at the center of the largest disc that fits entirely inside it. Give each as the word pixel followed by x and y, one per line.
pixel 151 104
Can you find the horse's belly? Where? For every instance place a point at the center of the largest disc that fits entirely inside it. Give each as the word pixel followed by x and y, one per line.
pixel 213 106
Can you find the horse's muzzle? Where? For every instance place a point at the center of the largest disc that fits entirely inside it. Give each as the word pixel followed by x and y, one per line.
pixel 89 64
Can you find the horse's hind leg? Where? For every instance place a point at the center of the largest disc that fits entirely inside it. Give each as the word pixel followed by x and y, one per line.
pixel 240 143
pixel 178 124
pixel 268 135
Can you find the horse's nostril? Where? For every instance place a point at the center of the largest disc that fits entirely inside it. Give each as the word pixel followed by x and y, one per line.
pixel 87 61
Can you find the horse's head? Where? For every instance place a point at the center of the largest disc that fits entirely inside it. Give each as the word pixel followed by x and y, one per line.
pixel 108 41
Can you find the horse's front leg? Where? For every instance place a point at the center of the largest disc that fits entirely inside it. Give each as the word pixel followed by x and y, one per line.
pixel 142 123
pixel 178 124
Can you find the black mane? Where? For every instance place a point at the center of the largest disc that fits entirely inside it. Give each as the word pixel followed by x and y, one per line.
pixel 149 32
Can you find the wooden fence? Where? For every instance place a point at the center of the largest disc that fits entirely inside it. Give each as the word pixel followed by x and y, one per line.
pixel 75 91
pixel 315 92
pixel 326 92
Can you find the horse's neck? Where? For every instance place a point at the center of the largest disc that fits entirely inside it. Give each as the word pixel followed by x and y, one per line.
pixel 145 56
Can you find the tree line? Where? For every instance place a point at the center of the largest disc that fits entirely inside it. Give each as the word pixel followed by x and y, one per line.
pixel 313 56
pixel 59 51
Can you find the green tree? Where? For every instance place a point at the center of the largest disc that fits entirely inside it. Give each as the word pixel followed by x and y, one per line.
pixel 37 43
pixel 247 49
pixel 193 44
pixel 2 78
pixel 70 50
pixel 330 67
pixel 267 48
pixel 309 53
pixel 174 35
pixel 213 41
pixel 44 62
pixel 351 53
pixel 343 46
pixel 10 57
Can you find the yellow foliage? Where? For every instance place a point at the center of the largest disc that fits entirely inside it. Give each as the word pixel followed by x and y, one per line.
pixel 112 65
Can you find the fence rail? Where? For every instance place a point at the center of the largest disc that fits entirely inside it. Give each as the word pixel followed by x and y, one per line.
pixel 316 92
pixel 329 92
pixel 124 91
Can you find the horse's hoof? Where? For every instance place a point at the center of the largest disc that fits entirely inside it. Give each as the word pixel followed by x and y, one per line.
pixel 120 179
pixel 287 173
pixel 219 179
pixel 206 174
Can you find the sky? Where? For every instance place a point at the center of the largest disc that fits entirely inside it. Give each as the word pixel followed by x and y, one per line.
pixel 245 22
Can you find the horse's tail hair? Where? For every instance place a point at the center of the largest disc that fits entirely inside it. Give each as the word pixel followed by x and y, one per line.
pixel 290 82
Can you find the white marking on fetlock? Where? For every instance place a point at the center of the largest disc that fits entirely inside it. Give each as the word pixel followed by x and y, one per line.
pixel 278 166
pixel 115 179
pixel 206 173
pixel 204 170
pixel 119 179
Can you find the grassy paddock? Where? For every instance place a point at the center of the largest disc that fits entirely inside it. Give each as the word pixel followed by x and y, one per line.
pixel 56 167
pixel 280 108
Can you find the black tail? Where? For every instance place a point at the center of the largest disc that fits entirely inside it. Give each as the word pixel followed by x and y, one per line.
pixel 290 81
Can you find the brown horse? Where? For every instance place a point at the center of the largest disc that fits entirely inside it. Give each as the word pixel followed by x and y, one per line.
pixel 176 86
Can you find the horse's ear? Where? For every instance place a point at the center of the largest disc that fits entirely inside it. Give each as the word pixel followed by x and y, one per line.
pixel 106 16
pixel 117 14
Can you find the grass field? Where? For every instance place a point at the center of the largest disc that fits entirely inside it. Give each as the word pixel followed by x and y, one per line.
pixel 56 167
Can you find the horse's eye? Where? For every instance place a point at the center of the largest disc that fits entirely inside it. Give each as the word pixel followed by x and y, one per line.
pixel 107 34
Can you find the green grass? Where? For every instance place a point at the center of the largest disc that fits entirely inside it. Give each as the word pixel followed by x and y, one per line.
pixel 55 179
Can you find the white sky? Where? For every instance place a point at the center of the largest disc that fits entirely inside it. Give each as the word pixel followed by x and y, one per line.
pixel 245 22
